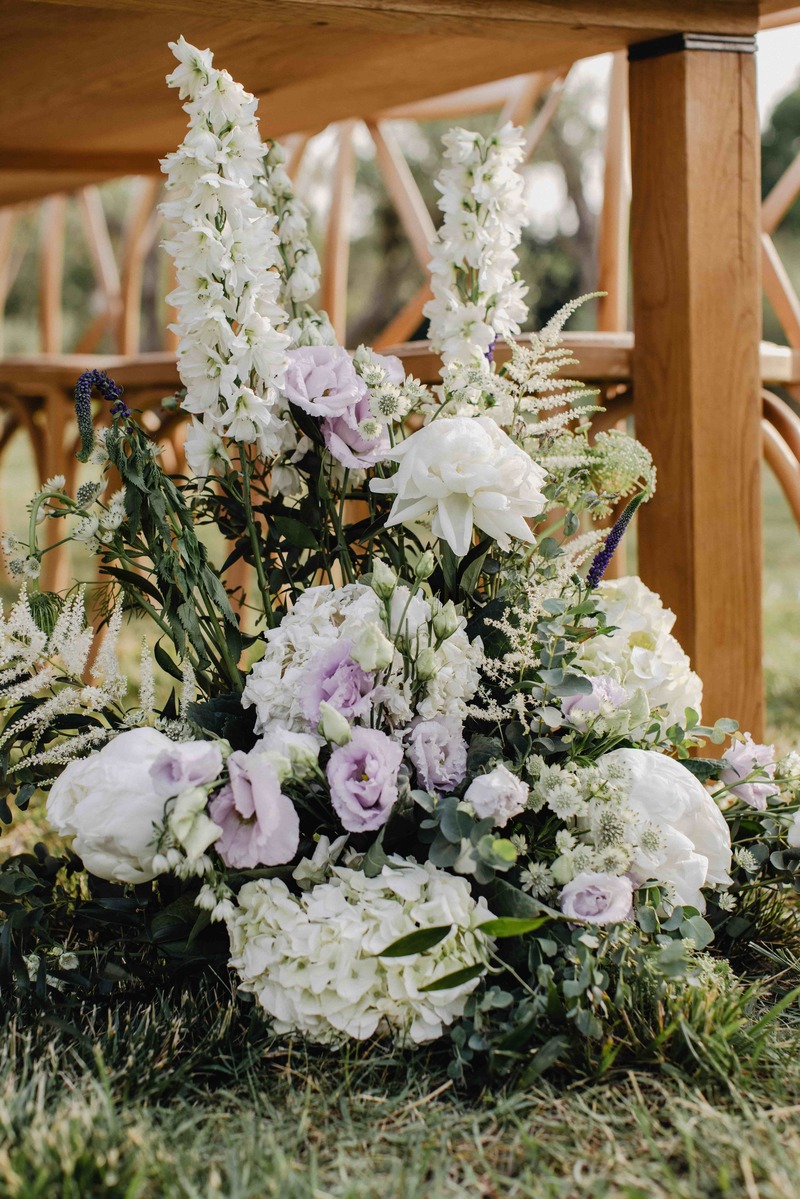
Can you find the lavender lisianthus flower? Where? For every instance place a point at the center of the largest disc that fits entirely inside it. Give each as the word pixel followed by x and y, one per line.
pixel 362 776
pixel 345 438
pixel 185 764
pixel 742 759
pixel 598 898
pixel 606 693
pixel 322 380
pixel 260 826
pixel 438 752
pixel 338 680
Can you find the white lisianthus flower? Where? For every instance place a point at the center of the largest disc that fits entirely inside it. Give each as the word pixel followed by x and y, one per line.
pixel 471 473
pixel 313 960
pixel 683 838
pixel 598 898
pixel 793 834
pixel 109 805
pixel 641 653
pixel 499 794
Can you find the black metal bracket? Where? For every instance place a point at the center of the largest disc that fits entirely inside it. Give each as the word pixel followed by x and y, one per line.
pixel 676 43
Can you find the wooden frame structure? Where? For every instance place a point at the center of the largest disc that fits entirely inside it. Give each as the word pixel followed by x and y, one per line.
pixel 696 225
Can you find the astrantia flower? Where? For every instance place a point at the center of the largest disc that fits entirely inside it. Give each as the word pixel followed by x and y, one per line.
pixel 597 898
pixel 693 847
pixel 470 473
pixel 745 758
pixel 312 960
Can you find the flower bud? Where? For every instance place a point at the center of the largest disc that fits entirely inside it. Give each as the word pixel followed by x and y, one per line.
pixel 332 725
pixel 563 869
pixel 426 566
pixel 373 651
pixel 445 621
pixel 426 664
pixel 384 580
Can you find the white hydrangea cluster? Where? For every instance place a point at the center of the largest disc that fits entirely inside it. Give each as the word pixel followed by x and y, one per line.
pixel 478 296
pixel 354 616
pixel 299 266
pixel 641 654
pixel 313 960
pixel 231 355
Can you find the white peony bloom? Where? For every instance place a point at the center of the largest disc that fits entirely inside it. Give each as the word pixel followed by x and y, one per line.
pixel 471 473
pixel 683 838
pixel 499 794
pixel 641 654
pixel 109 805
pixel 312 960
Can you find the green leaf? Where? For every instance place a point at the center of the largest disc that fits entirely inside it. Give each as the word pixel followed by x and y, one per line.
pixel 375 858
pixel 512 926
pixel 295 532
pixel 699 930
pixel 544 1058
pixel 456 978
pixel 417 942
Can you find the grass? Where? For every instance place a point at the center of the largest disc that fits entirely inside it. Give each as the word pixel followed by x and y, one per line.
pixel 182 1099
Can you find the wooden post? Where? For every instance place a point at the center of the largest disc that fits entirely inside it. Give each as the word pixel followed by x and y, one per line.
pixel 697 321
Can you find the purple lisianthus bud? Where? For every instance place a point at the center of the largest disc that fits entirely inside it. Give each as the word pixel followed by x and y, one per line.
pixel 185 764
pixel 438 752
pixel 322 380
pixel 260 826
pixel 345 439
pixel 598 898
pixel 744 758
pixel 499 794
pixel 335 678
pixel 362 776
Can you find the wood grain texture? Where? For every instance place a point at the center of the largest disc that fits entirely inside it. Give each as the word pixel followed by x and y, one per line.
pixel 310 61
pixel 697 315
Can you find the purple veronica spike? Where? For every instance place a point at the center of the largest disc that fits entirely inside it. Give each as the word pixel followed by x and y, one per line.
pixel 89 382
pixel 603 557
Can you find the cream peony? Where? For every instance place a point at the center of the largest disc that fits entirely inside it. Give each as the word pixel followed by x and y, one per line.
pixel 110 806
pixel 471 473
pixel 683 838
pixel 312 960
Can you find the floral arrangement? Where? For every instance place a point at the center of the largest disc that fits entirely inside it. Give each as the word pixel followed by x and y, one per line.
pixel 431 775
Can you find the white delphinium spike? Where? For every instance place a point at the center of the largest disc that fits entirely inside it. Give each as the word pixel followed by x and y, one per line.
pixel 231 356
pixel 478 296
pixel 299 268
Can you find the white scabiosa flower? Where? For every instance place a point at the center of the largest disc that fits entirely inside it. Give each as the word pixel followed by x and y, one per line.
pixel 469 473
pixel 313 960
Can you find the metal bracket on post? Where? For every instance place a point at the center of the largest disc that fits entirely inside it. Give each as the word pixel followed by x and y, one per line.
pixel 676 43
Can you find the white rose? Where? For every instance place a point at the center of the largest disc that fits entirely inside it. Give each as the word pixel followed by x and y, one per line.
pixel 471 473
pixel 597 898
pixel 499 794
pixel 109 804
pixel 693 847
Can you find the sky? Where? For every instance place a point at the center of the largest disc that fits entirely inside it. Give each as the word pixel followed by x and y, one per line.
pixel 778 65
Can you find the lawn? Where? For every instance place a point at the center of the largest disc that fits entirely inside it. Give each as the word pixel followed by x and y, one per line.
pixel 186 1098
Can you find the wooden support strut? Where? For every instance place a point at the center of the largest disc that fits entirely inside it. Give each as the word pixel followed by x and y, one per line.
pixel 697 314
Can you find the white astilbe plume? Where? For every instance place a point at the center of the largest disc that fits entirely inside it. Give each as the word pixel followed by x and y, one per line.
pixel 478 296
pixel 188 689
pixel 299 266
pixel 71 638
pixel 231 355
pixel 147 682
